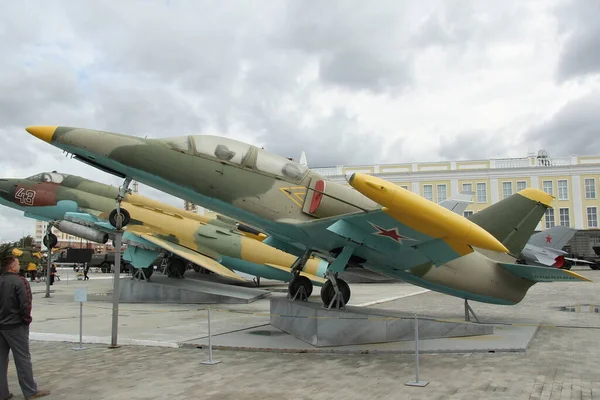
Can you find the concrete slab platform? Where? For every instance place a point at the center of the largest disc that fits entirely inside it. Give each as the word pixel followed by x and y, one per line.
pixel 267 338
pixel 322 327
pixel 161 289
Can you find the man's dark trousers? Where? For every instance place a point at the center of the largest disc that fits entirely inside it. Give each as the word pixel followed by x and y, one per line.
pixel 17 340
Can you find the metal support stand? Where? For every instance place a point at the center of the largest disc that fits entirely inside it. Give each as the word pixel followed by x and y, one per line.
pixel 300 294
pixel 338 298
pixel 49 261
pixel 417 382
pixel 210 359
pixel 80 328
pixel 469 311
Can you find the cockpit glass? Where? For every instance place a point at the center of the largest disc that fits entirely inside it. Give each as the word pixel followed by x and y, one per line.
pixel 53 177
pixel 279 166
pixel 221 148
pixel 181 143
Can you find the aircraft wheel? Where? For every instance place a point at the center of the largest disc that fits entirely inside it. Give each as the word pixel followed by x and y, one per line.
pixel 298 282
pixel 126 218
pixel 147 272
pixel 50 240
pixel 328 292
pixel 176 268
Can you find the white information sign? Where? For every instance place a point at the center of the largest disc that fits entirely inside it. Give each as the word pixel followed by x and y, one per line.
pixel 81 295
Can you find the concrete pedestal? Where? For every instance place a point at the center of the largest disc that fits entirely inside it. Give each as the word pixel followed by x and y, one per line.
pixel 320 327
pixel 161 289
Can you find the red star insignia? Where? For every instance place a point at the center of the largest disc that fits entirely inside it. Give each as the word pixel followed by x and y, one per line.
pixel 390 233
pixel 548 239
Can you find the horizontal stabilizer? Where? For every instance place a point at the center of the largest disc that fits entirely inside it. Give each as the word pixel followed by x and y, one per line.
pixel 543 274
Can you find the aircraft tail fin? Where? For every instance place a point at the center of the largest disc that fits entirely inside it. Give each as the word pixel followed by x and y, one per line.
pixel 543 274
pixel 513 219
pixel 459 203
pixel 556 237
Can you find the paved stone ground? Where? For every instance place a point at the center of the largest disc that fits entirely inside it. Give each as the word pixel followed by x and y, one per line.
pixel 562 363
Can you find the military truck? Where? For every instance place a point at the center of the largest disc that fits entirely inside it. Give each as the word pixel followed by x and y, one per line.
pixel 28 257
pixel 105 262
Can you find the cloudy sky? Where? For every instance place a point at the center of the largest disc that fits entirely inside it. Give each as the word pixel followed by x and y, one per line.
pixel 349 82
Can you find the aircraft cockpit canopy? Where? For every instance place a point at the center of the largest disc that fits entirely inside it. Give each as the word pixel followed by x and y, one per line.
pixel 222 148
pixel 280 166
pixel 54 177
pixel 237 153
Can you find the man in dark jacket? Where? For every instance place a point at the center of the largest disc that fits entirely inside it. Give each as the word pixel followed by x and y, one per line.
pixel 15 317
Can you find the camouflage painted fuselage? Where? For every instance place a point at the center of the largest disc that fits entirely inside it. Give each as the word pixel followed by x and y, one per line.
pixel 277 195
pixel 49 196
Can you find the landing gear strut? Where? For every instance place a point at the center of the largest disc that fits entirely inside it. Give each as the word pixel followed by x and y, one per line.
pixel 335 292
pixel 142 273
pixel 300 287
pixel 120 217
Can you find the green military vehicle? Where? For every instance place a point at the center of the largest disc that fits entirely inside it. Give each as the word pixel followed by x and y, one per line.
pixel 29 258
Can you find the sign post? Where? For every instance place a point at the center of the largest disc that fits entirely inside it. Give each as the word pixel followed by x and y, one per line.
pixel 210 359
pixel 417 382
pixel 117 272
pixel 81 297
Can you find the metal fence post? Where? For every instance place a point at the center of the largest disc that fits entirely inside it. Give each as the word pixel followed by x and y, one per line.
pixel 416 382
pixel 210 360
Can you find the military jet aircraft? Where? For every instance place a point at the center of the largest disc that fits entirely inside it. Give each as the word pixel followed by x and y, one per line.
pixel 377 225
pixel 82 207
pixel 545 248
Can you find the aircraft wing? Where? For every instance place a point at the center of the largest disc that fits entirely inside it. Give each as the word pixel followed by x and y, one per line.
pixel 314 278
pixel 579 261
pixel 543 274
pixel 191 255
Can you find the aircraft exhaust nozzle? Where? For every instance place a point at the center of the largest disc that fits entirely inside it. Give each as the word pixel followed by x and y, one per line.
pixel 423 215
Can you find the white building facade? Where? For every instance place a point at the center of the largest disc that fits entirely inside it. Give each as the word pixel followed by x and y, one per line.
pixel 573 181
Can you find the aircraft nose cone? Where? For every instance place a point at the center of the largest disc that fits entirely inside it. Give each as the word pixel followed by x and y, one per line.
pixel 44 133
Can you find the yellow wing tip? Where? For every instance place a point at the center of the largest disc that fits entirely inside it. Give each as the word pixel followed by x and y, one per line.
pixel 537 195
pixel 576 275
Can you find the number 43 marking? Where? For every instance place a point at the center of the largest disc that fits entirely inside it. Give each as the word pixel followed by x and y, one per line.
pixel 25 196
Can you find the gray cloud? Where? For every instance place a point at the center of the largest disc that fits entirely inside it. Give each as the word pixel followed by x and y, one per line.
pixel 574 129
pixel 578 24
pixel 272 73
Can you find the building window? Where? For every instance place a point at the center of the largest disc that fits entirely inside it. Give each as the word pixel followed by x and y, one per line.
pixel 467 187
pixel 441 193
pixel 592 216
pixel 564 216
pixel 547 187
pixel 428 192
pixel 521 185
pixel 467 214
pixel 506 189
pixel 481 193
pixel 563 189
pixel 590 188
pixel 404 187
pixel 549 218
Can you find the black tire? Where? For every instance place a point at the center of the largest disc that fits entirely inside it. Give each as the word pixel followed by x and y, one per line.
pixel 298 282
pixel 105 267
pixel 176 268
pixel 112 217
pixel 50 240
pixel 327 291
pixel 196 267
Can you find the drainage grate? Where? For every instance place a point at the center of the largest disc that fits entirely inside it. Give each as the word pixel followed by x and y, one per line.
pixel 581 308
pixel 266 333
